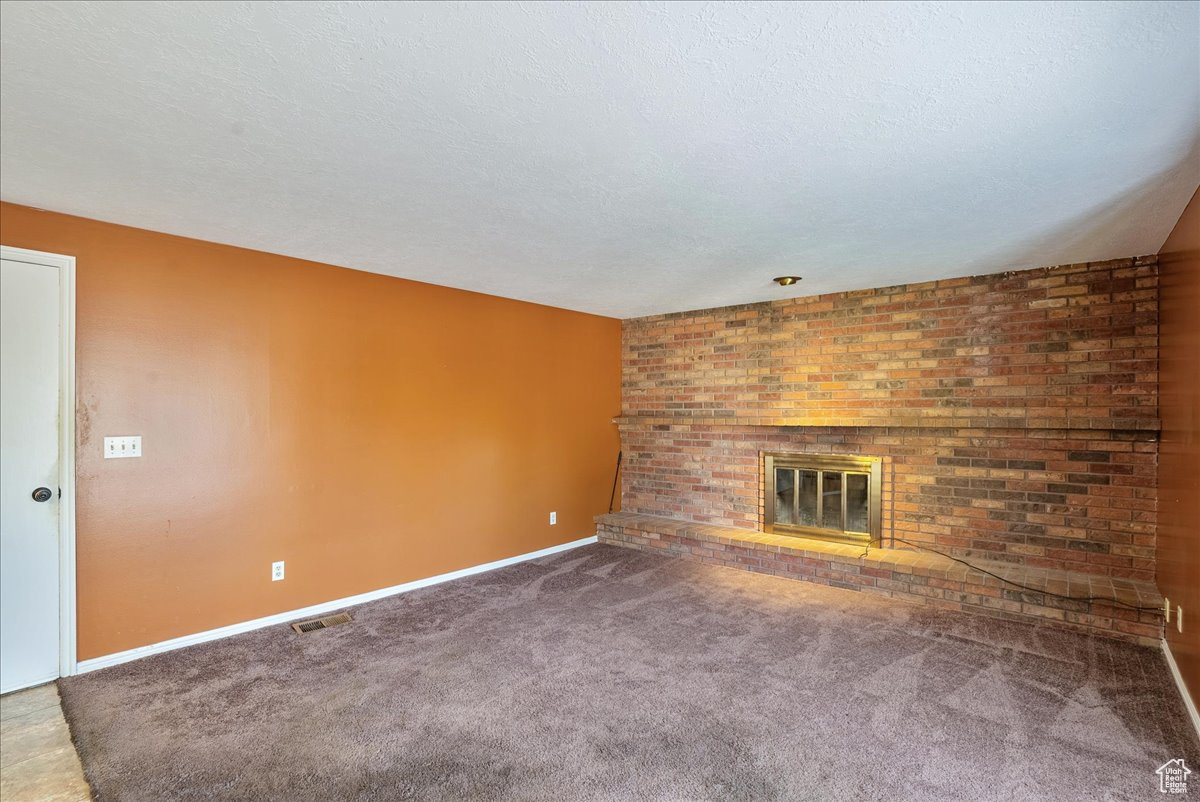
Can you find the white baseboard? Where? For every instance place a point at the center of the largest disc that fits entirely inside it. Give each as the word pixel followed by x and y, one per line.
pixel 317 609
pixel 1183 690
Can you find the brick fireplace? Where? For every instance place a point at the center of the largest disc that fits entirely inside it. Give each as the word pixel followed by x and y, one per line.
pixel 1015 416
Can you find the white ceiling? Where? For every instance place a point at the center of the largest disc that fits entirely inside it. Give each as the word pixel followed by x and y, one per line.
pixel 622 159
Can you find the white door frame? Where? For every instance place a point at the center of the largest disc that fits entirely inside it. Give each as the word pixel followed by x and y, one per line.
pixel 66 446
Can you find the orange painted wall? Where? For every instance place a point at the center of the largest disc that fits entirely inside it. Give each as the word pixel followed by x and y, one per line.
pixel 367 430
pixel 1178 557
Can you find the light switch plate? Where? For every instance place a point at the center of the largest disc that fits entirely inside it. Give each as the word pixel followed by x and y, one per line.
pixel 122 447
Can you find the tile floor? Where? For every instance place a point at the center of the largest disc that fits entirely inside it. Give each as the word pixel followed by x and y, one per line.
pixel 37 759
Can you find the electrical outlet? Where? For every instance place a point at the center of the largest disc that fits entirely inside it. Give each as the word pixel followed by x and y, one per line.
pixel 1179 618
pixel 553 518
pixel 277 571
pixel 1167 609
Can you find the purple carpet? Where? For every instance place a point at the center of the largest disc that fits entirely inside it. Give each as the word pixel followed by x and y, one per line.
pixel 605 673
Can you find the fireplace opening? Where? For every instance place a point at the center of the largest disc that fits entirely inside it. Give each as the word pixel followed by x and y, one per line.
pixel 826 496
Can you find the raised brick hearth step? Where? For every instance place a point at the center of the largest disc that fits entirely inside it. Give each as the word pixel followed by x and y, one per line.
pixel 903 573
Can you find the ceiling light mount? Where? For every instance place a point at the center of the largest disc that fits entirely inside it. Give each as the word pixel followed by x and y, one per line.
pixel 786 281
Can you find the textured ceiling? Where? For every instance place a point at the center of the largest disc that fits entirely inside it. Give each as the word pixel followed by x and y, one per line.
pixel 622 159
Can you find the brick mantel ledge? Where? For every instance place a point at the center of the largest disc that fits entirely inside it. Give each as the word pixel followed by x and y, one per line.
pixel 931 421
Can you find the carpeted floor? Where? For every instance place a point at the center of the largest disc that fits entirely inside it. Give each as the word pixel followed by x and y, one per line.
pixel 606 673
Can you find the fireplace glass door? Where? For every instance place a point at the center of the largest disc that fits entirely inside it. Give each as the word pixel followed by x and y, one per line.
pixel 826 496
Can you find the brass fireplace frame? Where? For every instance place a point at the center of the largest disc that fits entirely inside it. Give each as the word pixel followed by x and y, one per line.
pixel 822 464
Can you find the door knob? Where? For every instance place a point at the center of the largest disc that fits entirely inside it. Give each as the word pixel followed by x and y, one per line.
pixel 42 494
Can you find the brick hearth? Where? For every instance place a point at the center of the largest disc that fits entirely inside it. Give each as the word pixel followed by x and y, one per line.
pixel 903 574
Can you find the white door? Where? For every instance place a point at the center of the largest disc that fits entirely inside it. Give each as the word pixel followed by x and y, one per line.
pixel 30 347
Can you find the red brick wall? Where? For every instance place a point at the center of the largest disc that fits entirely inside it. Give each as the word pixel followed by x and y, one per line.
pixel 1073 346
pixel 1016 413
